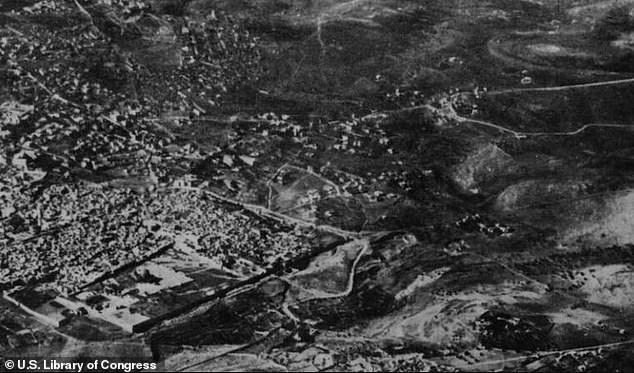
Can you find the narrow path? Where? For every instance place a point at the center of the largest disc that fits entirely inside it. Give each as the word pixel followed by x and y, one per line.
pixel 235 350
pixel 521 134
pixel 562 87
pixel 320 177
pixel 543 354
pixel 450 113
pixel 342 294
pixel 258 209
pixel 351 275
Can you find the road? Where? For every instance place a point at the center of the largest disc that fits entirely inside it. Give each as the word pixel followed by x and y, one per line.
pixel 521 134
pixel 562 87
pixel 544 354
pixel 450 114
pixel 447 111
pixel 351 275
pixel 261 210
pixel 344 293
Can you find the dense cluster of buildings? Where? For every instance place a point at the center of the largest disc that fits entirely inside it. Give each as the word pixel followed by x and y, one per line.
pixel 222 233
pixel 73 235
pixel 80 106
pixel 484 225
pixel 91 98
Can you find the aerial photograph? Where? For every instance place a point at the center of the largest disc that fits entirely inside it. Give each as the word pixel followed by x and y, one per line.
pixel 317 185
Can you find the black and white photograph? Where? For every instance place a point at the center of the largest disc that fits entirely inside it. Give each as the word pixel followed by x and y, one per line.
pixel 317 185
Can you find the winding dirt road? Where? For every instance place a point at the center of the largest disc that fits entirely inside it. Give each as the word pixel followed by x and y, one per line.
pixel 562 87
pixel 344 293
pixel 521 134
pixel 351 274
pixel 544 354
